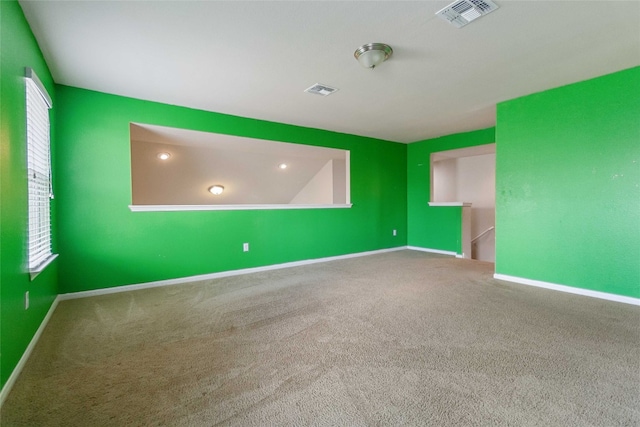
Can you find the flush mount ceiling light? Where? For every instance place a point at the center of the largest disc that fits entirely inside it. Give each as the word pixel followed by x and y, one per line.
pixel 216 189
pixel 372 54
pixel 282 166
pixel 164 156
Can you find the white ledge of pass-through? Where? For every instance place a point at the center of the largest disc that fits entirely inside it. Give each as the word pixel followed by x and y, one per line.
pixel 172 208
pixel 463 204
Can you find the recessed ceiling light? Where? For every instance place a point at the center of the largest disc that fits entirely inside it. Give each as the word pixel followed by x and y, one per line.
pixel 164 156
pixel 282 166
pixel 216 189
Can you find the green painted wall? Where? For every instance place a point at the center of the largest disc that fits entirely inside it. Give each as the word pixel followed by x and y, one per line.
pixel 18 49
pixel 103 244
pixel 435 227
pixel 568 185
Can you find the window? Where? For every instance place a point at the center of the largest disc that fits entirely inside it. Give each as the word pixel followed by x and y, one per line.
pixel 39 174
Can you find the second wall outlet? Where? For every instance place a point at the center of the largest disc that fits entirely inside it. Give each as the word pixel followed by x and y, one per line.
pixel 245 247
pixel 395 233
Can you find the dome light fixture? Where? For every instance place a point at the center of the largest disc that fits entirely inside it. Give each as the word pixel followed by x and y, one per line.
pixel 164 156
pixel 216 190
pixel 282 166
pixel 372 54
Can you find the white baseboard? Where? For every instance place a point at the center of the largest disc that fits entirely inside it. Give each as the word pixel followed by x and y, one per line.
pixel 569 289
pixel 169 282
pixel 25 356
pixel 434 251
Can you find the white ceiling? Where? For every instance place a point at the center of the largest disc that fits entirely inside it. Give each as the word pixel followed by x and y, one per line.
pixel 254 59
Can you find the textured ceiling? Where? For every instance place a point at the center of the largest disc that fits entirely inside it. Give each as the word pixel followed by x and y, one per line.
pixel 254 59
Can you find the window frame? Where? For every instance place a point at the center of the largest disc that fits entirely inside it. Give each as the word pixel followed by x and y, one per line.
pixel 39 182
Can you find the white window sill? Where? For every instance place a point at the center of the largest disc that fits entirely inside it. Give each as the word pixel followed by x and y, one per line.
pixel 170 208
pixel 463 204
pixel 33 272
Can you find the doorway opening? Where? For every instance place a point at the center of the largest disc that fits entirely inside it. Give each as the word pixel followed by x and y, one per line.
pixel 467 176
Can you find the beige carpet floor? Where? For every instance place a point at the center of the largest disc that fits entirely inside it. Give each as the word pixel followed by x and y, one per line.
pixel 402 338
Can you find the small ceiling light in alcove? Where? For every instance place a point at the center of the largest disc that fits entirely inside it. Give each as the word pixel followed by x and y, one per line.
pixel 282 166
pixel 216 189
pixel 164 156
pixel 371 55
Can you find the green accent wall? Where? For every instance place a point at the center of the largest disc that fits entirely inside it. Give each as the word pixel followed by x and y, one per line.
pixel 103 244
pixel 18 49
pixel 435 227
pixel 568 185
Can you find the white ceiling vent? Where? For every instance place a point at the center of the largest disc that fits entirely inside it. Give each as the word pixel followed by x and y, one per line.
pixel 320 89
pixel 462 12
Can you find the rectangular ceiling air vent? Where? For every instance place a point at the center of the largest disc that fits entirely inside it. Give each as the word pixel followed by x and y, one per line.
pixel 320 89
pixel 462 12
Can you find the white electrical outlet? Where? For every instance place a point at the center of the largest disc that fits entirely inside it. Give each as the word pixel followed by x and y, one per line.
pixel 245 247
pixel 26 300
pixel 395 233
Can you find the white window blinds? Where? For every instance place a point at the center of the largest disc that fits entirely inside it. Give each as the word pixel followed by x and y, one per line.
pixel 39 172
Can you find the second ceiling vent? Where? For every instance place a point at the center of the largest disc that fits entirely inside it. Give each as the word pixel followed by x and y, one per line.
pixel 320 89
pixel 462 12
